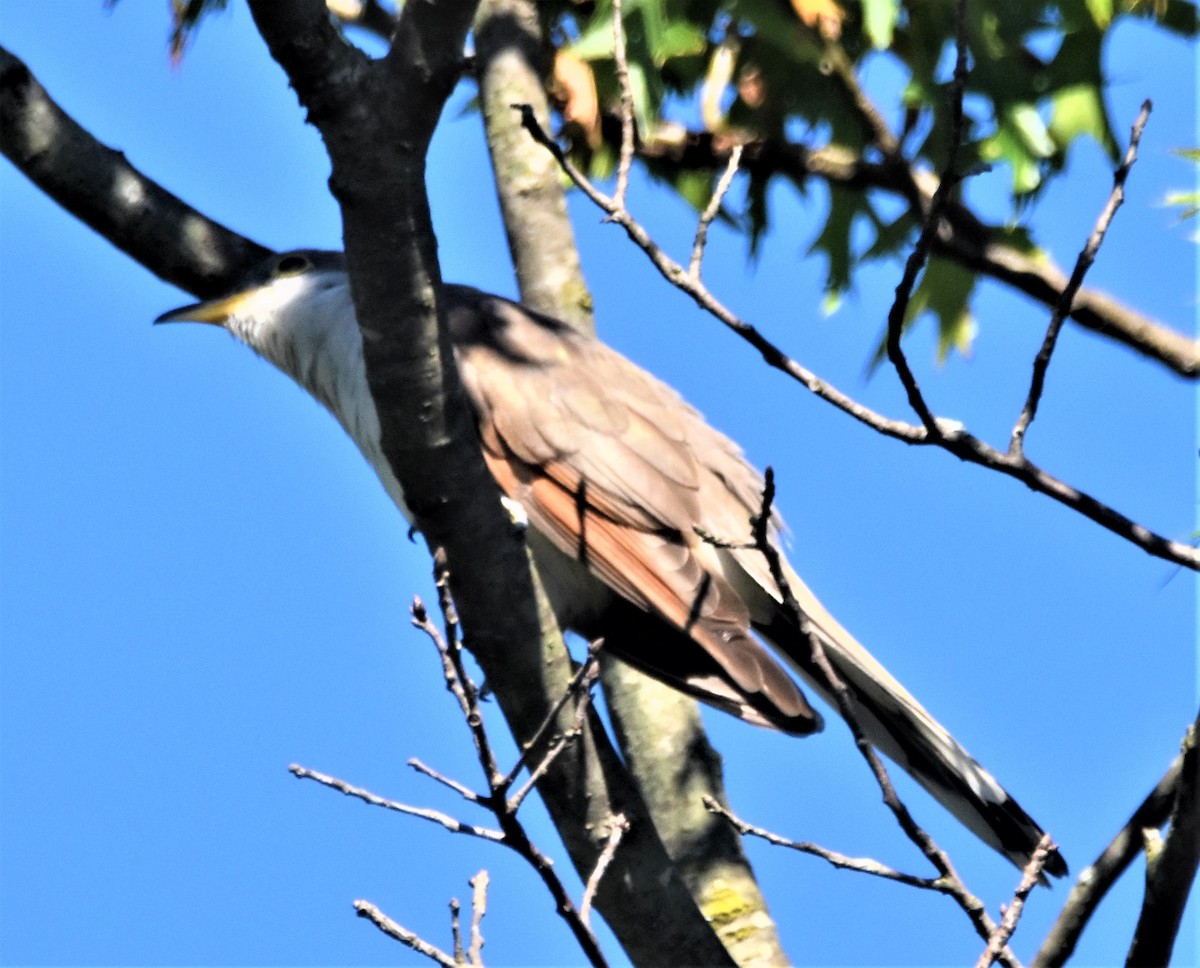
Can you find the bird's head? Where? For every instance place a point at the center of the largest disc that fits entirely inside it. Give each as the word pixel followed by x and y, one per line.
pixel 286 308
pixel 295 310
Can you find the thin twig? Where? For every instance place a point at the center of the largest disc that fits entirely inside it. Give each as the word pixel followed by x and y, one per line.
pixel 864 865
pixel 585 679
pixel 954 886
pixel 622 65
pixel 1030 877
pixel 1095 880
pixel 511 834
pixel 458 682
pixel 579 685
pixel 710 213
pixel 618 826
pixel 920 251
pixel 842 67
pixel 479 885
pixel 947 435
pixel 1041 362
pixel 365 909
pixel 461 789
pixel 435 816
pixel 456 932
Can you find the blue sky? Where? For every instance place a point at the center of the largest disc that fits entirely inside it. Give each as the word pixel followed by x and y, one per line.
pixel 201 581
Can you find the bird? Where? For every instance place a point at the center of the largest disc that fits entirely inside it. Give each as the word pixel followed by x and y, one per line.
pixel 623 489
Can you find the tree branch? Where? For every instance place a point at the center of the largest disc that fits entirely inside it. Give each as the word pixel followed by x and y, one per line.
pixel 541 240
pixel 1097 879
pixel 1042 362
pixel 365 909
pixel 658 729
pixel 952 884
pixel 429 437
pixel 1171 864
pixel 962 237
pixel 101 188
pixel 951 435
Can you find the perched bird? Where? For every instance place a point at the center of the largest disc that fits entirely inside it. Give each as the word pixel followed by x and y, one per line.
pixel 620 479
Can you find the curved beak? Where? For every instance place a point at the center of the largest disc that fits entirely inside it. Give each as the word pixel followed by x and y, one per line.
pixel 214 311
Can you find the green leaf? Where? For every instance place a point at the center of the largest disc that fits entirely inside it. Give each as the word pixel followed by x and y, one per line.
pixel 945 290
pixel 694 186
pixel 845 206
pixel 1078 110
pixel 1025 120
pixel 1101 11
pixel 1188 201
pixel 879 21
pixel 1007 145
pixel 890 239
pixel 679 39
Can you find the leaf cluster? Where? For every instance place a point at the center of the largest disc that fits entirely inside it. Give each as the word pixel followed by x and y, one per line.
pixel 791 73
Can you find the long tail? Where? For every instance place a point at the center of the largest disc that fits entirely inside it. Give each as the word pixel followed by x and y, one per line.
pixel 898 725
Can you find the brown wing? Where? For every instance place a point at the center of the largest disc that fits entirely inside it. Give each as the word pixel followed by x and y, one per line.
pixel 603 458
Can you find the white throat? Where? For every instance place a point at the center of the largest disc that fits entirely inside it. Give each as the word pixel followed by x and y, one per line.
pixel 305 325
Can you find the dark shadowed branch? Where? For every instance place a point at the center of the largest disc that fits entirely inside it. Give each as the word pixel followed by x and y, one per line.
pixel 1096 880
pixel 428 436
pixel 1087 256
pixel 1171 863
pixel 99 186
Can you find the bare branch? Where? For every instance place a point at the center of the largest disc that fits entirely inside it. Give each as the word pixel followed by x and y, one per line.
pixel 434 816
pixel 579 687
pixel 920 251
pixel 479 885
pixel 840 66
pixel 510 66
pixel 864 865
pixel 617 827
pixel 1041 362
pixel 512 834
pixel 947 434
pixel 953 884
pixel 1171 864
pixel 710 213
pixel 365 909
pixel 1097 879
pixel 1030 877
pixel 461 789
pixel 101 188
pixel 626 154
pixel 963 237
pixel 456 932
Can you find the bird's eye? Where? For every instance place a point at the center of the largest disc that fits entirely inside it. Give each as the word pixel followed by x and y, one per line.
pixel 291 264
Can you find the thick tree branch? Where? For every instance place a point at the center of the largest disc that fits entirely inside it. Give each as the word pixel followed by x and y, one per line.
pixel 378 157
pixel 1171 864
pixel 658 730
pixel 1097 879
pixel 541 241
pixel 98 186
